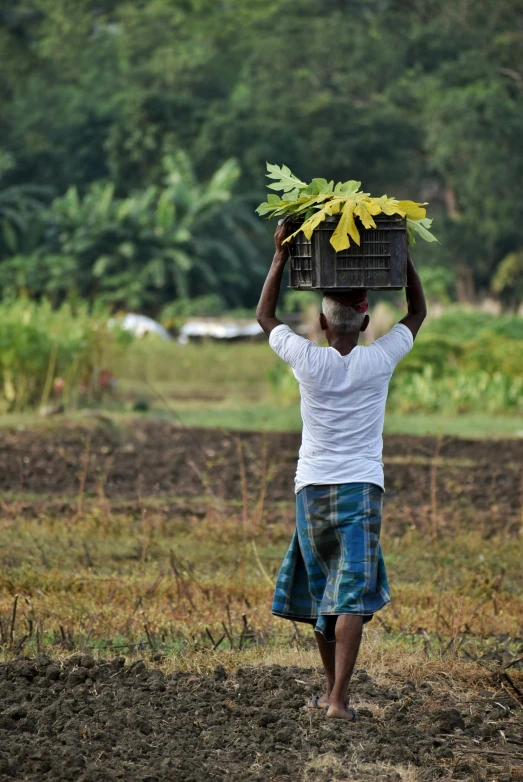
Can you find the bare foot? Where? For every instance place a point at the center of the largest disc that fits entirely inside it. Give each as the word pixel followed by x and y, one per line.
pixel 341 712
pixel 318 702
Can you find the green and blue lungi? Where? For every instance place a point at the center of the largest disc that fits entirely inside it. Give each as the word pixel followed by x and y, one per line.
pixel 334 564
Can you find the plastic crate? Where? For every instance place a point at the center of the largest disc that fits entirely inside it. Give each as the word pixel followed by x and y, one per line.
pixel 379 263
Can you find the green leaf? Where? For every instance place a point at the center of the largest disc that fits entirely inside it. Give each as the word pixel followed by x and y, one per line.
pixel 309 202
pixel 347 188
pixel 181 260
pixel 225 177
pixel 319 183
pixel 417 226
pixel 285 178
pixel 156 270
pixel 9 235
pixel 291 195
pixel 127 249
pixel 182 236
pixel 264 208
pixel 100 265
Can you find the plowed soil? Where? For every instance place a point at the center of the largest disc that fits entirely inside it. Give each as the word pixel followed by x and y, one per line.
pixel 476 483
pixel 88 721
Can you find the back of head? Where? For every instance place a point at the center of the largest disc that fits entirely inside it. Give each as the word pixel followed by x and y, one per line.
pixel 341 317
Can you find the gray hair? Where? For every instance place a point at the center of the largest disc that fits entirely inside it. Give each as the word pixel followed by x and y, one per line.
pixel 341 317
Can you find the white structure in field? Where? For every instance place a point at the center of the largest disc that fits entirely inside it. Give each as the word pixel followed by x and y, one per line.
pixel 214 328
pixel 140 325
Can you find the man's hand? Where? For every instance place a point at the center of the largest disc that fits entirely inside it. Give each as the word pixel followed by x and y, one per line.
pixel 266 310
pixel 283 230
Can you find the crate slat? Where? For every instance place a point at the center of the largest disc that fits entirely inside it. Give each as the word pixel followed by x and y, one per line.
pixel 379 263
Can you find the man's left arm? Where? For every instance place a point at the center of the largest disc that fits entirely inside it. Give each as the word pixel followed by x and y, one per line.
pixel 266 310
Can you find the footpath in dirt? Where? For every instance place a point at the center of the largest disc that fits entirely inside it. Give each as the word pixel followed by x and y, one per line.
pixel 97 721
pixel 475 482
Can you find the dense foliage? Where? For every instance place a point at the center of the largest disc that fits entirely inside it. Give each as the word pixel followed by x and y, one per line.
pixel 167 241
pixel 423 99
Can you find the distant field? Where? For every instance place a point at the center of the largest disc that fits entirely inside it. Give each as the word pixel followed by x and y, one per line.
pixel 229 386
pixel 244 386
pixel 267 417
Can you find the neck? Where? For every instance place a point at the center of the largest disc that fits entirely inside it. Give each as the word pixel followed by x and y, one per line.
pixel 343 343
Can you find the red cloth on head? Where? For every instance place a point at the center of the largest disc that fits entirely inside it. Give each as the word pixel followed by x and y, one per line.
pixel 357 299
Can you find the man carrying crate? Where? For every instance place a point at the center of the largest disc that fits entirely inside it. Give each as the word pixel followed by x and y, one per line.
pixel 333 575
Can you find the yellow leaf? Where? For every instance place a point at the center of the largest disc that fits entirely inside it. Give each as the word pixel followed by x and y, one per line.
pixel 372 207
pixel 308 229
pixel 352 229
pixel 313 222
pixel 335 208
pixel 387 205
pixel 289 238
pixel 303 204
pixel 345 228
pixel 365 215
pixel 411 209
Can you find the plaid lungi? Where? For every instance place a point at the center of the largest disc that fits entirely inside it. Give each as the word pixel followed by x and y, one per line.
pixel 334 564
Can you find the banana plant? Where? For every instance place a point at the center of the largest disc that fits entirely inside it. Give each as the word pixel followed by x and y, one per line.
pixel 19 206
pixel 179 238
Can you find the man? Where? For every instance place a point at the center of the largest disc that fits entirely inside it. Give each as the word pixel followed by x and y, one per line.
pixel 333 575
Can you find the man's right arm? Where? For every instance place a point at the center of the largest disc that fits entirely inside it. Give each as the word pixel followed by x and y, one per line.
pixel 416 303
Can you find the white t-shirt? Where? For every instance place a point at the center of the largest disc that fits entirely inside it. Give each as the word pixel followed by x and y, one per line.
pixel 342 404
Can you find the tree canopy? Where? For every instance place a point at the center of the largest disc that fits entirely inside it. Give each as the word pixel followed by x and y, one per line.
pixel 422 99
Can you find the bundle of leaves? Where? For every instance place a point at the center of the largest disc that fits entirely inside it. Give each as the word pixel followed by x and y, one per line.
pixel 319 199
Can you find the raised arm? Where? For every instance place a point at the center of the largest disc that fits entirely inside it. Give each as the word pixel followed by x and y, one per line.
pixel 266 310
pixel 415 299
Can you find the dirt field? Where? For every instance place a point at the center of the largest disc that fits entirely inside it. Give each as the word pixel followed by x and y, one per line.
pixel 474 482
pixel 71 495
pixel 88 721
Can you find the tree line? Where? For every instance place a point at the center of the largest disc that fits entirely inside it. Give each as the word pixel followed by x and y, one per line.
pixel 134 136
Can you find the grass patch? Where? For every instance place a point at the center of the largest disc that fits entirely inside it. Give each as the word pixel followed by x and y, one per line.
pixel 245 386
pixel 108 579
pixel 286 418
pixel 239 386
pixel 239 414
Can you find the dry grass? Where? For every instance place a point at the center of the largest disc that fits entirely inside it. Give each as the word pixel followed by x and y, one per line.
pixel 331 763
pixel 98 578
pixel 193 593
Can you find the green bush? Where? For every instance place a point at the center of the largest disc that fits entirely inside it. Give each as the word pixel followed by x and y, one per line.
pixel 54 355
pixel 468 324
pixel 457 392
pixel 463 361
pixel 445 355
